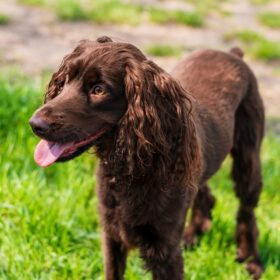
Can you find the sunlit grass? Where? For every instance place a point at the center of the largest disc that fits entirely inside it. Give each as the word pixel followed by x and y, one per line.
pixel 32 2
pixel 207 6
pixel 4 19
pixel 256 44
pixel 270 19
pixel 117 12
pixel 164 50
pixel 113 11
pixel 71 10
pixel 161 16
pixel 262 2
pixel 49 220
pixel 276 71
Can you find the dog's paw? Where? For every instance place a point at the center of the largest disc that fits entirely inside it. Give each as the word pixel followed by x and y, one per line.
pixel 206 225
pixel 255 268
pixel 189 240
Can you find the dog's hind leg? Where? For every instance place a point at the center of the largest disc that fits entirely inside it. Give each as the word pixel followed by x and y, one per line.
pixel 201 216
pixel 246 173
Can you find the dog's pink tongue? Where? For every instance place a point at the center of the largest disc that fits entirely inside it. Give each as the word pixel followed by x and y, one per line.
pixel 47 153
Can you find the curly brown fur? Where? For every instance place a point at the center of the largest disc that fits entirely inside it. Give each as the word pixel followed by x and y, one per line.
pixel 159 139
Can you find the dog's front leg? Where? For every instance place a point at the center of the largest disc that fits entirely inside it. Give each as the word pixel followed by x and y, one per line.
pixel 115 259
pixel 165 267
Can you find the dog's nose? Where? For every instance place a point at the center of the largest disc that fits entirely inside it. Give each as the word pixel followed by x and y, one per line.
pixel 39 126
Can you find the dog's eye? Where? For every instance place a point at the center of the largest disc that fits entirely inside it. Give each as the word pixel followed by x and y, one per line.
pixel 59 86
pixel 98 90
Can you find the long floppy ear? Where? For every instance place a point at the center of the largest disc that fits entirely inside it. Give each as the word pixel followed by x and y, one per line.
pixel 157 130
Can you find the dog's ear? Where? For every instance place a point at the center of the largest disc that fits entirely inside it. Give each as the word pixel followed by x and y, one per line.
pixel 158 120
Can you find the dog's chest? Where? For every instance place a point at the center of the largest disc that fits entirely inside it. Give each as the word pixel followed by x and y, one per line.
pixel 130 214
pixel 124 210
pixel 127 203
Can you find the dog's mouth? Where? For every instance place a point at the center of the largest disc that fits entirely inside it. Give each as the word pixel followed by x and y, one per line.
pixel 48 152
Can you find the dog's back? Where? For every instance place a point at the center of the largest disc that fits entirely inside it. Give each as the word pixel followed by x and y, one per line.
pixel 221 83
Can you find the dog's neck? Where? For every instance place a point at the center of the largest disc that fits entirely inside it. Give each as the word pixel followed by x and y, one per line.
pixel 125 173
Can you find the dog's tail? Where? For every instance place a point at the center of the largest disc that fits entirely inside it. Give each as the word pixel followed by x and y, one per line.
pixel 248 134
pixel 237 51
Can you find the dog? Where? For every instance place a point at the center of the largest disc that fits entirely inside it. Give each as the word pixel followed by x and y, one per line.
pixel 159 138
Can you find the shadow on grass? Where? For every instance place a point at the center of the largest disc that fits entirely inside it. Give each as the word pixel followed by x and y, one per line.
pixel 270 253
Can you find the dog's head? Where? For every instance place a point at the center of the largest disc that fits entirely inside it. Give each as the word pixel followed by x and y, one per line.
pixel 85 99
pixel 104 86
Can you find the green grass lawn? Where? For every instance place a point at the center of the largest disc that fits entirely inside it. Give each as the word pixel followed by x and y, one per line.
pixel 49 227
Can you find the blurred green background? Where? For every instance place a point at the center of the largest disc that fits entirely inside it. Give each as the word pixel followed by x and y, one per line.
pixel 49 227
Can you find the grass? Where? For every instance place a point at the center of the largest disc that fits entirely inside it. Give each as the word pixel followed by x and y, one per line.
pixel 71 11
pixel 164 50
pixel 270 19
pixel 112 11
pixel 256 44
pixel 261 2
pixel 48 217
pixel 193 19
pixel 208 6
pixel 99 11
pixel 4 19
pixel 32 2
pixel 117 12
pixel 276 71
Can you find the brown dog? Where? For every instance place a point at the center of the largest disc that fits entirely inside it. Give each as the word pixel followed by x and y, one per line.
pixel 159 139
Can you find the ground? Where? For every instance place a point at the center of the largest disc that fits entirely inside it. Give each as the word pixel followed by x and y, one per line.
pixel 36 40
